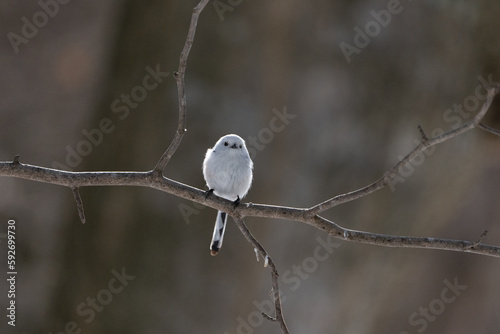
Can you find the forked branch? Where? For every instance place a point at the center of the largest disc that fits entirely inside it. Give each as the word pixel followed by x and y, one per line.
pixel 274 274
pixel 155 179
pixel 181 90
pixel 425 144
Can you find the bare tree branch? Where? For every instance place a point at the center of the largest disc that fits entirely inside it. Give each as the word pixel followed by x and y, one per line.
pixel 155 181
pixel 181 91
pixel 425 144
pixel 274 274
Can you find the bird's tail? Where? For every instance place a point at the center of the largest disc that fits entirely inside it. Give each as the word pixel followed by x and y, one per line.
pixel 220 227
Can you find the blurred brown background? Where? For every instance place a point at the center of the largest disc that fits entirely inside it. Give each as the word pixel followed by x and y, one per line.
pixel 90 61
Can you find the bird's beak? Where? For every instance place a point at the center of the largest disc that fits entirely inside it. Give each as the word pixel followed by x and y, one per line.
pixel 234 146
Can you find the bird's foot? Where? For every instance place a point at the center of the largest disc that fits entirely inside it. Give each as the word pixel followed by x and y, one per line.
pixel 236 202
pixel 208 193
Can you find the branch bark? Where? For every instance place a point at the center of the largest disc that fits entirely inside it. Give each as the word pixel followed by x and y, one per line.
pixel 181 91
pixel 151 179
pixel 274 274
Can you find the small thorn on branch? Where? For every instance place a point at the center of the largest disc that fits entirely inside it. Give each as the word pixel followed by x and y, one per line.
pixel 268 317
pixel 478 242
pixel 422 133
pixel 16 160
pixel 176 74
pixel 79 203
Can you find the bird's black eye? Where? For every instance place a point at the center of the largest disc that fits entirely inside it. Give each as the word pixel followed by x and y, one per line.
pixel 225 143
pixel 241 146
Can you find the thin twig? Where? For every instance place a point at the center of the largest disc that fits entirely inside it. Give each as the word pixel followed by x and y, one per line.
pixel 489 129
pixel 79 203
pixel 181 91
pixel 425 144
pixel 422 133
pixel 478 242
pixel 420 242
pixel 274 274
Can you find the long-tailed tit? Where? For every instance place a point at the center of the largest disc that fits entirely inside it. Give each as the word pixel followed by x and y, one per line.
pixel 227 170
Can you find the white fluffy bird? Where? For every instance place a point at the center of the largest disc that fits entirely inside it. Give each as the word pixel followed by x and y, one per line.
pixel 227 170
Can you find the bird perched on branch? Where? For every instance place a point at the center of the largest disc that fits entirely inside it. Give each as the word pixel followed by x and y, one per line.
pixel 227 170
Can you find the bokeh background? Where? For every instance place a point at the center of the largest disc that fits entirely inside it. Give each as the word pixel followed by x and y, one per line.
pixel 352 121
